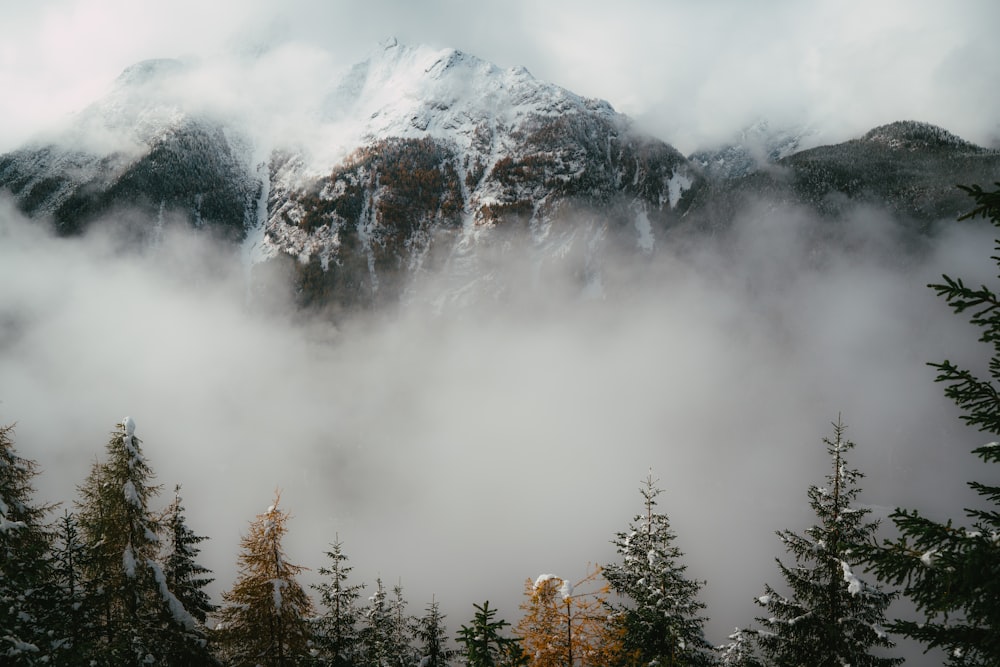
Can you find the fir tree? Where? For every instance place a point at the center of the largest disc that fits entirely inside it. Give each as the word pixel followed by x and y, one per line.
pixel 376 634
pixel 265 618
pixel 27 633
pixel 75 609
pixel 831 617
pixel 661 613
pixel 137 616
pixel 952 572
pixel 483 645
pixel 740 651
pixel 336 631
pixel 186 579
pixel 401 651
pixel 430 631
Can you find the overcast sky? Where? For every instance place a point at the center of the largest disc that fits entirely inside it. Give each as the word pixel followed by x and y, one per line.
pixel 693 72
pixel 467 453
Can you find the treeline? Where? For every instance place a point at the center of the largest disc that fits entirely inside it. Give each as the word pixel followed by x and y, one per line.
pixel 114 582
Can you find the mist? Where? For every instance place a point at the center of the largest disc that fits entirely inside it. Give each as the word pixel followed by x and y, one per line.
pixel 693 74
pixel 461 450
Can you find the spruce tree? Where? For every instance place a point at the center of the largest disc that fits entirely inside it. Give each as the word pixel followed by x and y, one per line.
pixel 336 630
pixel 830 617
pixel 483 645
pixel 28 635
pixel 660 611
pixel 265 617
pixel 432 636
pixel 139 620
pixel 186 579
pixel 376 633
pixel 740 650
pixel 401 651
pixel 75 611
pixel 950 571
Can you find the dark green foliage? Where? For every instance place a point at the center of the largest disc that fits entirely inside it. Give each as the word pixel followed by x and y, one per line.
pixel 432 638
pixel 28 635
pixel 661 613
pixel 336 630
pixel 952 572
pixel 830 617
pixel 484 645
pixel 137 618
pixel 76 608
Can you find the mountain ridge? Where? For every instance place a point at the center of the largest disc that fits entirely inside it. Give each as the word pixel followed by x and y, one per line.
pixel 428 155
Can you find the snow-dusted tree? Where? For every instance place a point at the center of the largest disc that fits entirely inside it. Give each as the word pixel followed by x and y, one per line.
pixel 483 645
pixel 376 631
pixel 27 636
pixel 265 616
pixel 387 631
pixel 432 636
pixel 952 572
pixel 185 576
pixel 563 625
pixel 336 630
pixel 186 579
pixel 740 650
pixel 830 617
pixel 401 651
pixel 660 611
pixel 141 620
pixel 75 611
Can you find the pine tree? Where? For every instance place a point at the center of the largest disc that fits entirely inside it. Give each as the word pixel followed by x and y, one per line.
pixel 563 626
pixel 376 633
pixel 430 631
pixel 483 645
pixel 661 613
pixel 186 579
pixel 76 606
pixel 831 617
pixel 401 651
pixel 952 572
pixel 139 617
pixel 336 631
pixel 27 633
pixel 740 651
pixel 265 618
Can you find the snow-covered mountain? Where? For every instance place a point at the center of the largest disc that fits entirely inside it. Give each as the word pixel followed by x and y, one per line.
pixel 419 160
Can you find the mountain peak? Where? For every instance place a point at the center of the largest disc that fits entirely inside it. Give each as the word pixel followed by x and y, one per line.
pixel 911 135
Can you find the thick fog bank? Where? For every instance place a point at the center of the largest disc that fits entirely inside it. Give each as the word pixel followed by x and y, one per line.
pixel 461 451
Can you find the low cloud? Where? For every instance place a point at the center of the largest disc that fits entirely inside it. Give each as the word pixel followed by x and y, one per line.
pixel 462 450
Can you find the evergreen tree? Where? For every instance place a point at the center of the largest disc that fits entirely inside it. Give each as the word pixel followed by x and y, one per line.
pixel 336 631
pixel 952 572
pixel 483 645
pixel 140 620
pixel 376 634
pixel 831 617
pixel 76 607
pixel 562 626
pixel 265 618
pixel 27 633
pixel 401 651
pixel 661 613
pixel 186 579
pixel 433 637
pixel 740 651
pixel 184 575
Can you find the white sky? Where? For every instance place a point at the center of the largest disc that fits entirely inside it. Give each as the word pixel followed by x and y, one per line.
pixel 693 72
